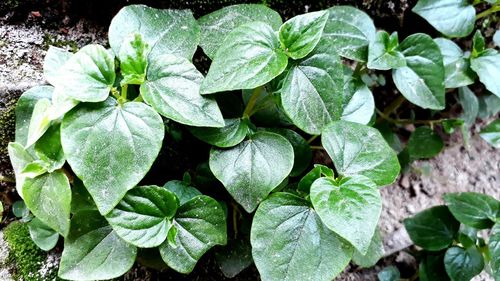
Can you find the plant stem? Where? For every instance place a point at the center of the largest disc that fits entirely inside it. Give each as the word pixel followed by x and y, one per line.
pixel 309 141
pixel 360 66
pixel 7 179
pixel 251 103
pixel 124 92
pixel 408 121
pixel 392 107
pixel 495 8
pixel 317 147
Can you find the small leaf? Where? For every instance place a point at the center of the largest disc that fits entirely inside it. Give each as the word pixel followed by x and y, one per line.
pixel 289 242
pixel 24 110
pixel 249 57
pixel 383 53
pixel 54 60
pixel 217 25
pixel 432 229
pixel 359 104
pixel 457 71
pixel 373 255
pixel 173 90
pixel 300 34
pixel 34 169
pixel 48 148
pixel 478 44
pixel 350 207
pixel 182 190
pixel 316 173
pixel 133 59
pixel 93 251
pixel 234 132
pixel 20 210
pixel 172 236
pixel 473 209
pixel 19 158
pixel 40 121
pixel 253 168
pixel 234 257
pixel 360 150
pixel 43 236
pixel 111 147
pixel 421 81
pixel 143 216
pixel 88 75
pixel 390 273
pixel 351 31
pixel 487 67
pixel 424 143
pixel 463 265
pixel 494 248
pixel 200 224
pixel 491 133
pixel 453 18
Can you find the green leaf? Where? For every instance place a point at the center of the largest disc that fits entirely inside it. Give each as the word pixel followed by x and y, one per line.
pixel 34 169
pixel 457 71
pixel 173 32
pixel 351 31
pixel 249 57
pixel 494 248
pixel 373 255
pixel 81 200
pixel 88 75
pixel 19 158
pixel 312 89
pixel 270 112
pixel 201 224
pixel 318 171
pixel 234 257
pixel 449 125
pixel 49 198
pixel 390 273
pixel 300 34
pixel 431 267
pixel 470 106
pixel 230 135
pixel 432 229
pixel 358 101
pixel 182 190
pixel 43 236
pixel 487 67
pixel 489 105
pixel 111 147
pixel 93 251
pixel 467 236
pixel 473 209
pixel 496 38
pixel 24 110
pixel 383 52
pixel 61 104
pixel 48 148
pixel 478 44
pixel 360 150
pixel 289 242
pixel 421 81
pixel 462 265
pixel 133 56
pixel 424 143
pixel 20 210
pixel 217 25
pixel 39 122
pixel 253 168
pixel 143 216
pixel 173 90
pixel 491 133
pixel 453 18
pixel 350 207
pixel 54 60
pixel 390 137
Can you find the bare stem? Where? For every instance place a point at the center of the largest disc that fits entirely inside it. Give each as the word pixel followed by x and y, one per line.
pixel 317 147
pixel 251 103
pixel 495 8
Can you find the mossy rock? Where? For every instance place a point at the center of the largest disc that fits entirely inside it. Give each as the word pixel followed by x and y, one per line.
pixel 7 131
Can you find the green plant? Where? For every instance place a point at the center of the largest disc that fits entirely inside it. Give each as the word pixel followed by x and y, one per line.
pixel 105 115
pixel 454 244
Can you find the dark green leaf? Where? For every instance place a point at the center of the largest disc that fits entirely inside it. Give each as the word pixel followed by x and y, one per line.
pixel 449 125
pixel 43 236
pixel 473 209
pixel 133 56
pixel 231 134
pixel 389 273
pixel 234 257
pixel 491 133
pixel 318 171
pixel 111 147
pixel 424 143
pixel 182 190
pixel 360 150
pixel 467 236
pixel 358 102
pixel 462 265
pixel 54 60
pixel 270 112
pixel 432 229
pixel 384 53
pixel 431 267
pixel 48 148
pixel 478 44
pixel 457 71
pixel 253 168
pixel 373 255
pixel 81 200
pixel 489 105
pixel 24 110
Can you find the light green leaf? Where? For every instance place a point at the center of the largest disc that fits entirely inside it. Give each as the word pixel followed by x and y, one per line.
pixel 88 75
pixel 489 105
pixel 457 72
pixel 478 44
pixel 24 110
pixel 373 255
pixel 289 242
pixel 253 168
pixel 358 101
pixel 473 209
pixel 424 143
pixel 491 133
pixel 182 190
pixel 19 158
pixel 350 207
pixel 39 122
pixel 470 106
pixel 93 251
pixel 312 89
pixel 496 38
pixel 49 198
pixel 350 31
pixel 43 236
pixel 34 169
pixel 300 34
pixel 360 150
pixel 111 147
pixel 231 134
pixel 173 90
pixel 54 60
pixel 200 224
pixel 48 148
pixel 173 32
pixel 143 216
pixel 249 57
pixel 133 56
pixel 432 229
pixel 217 25
pixel 383 52
pixel 494 248
pixel 61 104
pixel 421 81
pixel 453 18
pixel 487 67
pixel 463 264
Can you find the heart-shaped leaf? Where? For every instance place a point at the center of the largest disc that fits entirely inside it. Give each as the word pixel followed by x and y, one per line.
pixel 487 67
pixel 289 242
pixel 111 147
pixel 473 209
pixel 424 143
pixel 43 236
pixel 24 110
pixel 384 53
pixel 133 58
pixel 53 61
pixel 143 216
pixel 173 89
pixel 373 255
pixel 358 101
pixel 253 168
pixel 200 224
pixel 182 190
pixel 457 71
pixel 217 25
pixel 350 207
pixel 231 134
pixel 463 264
pixel 249 57
pixel 360 150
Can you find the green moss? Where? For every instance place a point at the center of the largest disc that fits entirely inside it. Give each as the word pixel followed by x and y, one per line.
pixel 7 131
pixel 50 40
